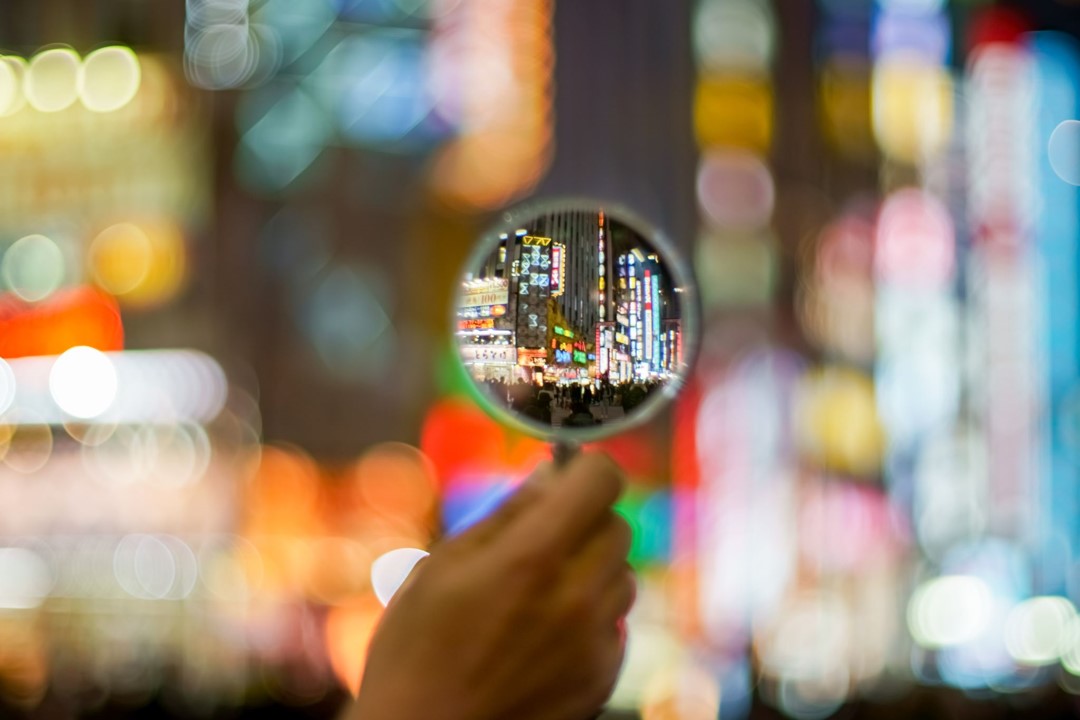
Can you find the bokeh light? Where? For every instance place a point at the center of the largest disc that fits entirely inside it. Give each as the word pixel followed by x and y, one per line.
pixel 949 610
pixel 83 382
pixel 52 80
pixel 1064 151
pixel 25 579
pixel 120 258
pixel 29 447
pixel 8 387
pixel 1036 630
pixel 109 78
pixel 33 267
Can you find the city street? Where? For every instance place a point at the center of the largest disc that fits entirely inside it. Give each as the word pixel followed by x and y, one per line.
pixel 613 412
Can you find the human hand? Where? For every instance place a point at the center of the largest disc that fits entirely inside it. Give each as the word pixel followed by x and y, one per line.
pixel 518 617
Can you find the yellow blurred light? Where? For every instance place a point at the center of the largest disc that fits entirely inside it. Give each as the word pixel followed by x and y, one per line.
pixel 17 67
pixel 11 96
pixel 120 258
pixel 52 80
pixel 33 267
pixel 949 610
pixel 912 109
pixel 29 448
pixel 734 111
pixel 846 108
pixel 838 423
pixel 144 265
pixel 109 78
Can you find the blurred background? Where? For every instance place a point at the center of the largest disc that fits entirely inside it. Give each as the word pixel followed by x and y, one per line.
pixel 229 231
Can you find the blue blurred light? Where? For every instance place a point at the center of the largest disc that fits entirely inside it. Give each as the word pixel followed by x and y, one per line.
pixel 281 141
pixel 926 37
pixel 465 504
pixel 374 85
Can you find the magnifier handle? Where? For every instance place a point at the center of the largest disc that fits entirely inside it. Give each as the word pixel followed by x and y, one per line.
pixel 563 452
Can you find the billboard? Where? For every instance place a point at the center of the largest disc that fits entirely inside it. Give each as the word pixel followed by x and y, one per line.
pixel 485 293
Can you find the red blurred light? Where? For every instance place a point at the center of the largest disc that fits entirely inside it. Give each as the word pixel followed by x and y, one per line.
pixel 80 316
pixel 461 440
pixel 997 25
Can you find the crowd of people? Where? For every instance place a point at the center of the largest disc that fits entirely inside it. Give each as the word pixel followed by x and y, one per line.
pixel 587 404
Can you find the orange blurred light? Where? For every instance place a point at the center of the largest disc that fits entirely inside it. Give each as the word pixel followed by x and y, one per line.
pixel 397 480
pixel 80 316
pixel 348 633
pixel 282 497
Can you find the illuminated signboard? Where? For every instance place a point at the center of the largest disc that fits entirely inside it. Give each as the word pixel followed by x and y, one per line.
pixel 622 339
pixel 532 357
pixel 562 357
pixel 490 354
pixel 483 311
pixel 649 336
pixel 537 241
pixel 657 335
pixel 564 332
pixel 477 324
pixel 533 290
pixel 487 293
pixel 579 357
pixel 558 269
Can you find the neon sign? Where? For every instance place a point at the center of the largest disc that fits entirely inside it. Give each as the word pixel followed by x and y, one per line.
pixel 558 269
pixel 477 324
pixel 534 240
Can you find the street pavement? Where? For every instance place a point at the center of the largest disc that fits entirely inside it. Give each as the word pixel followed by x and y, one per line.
pixel 610 414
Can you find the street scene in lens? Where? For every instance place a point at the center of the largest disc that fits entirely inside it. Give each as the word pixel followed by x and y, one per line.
pixel 573 320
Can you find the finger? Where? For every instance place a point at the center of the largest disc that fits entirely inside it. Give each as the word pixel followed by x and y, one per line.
pixel 522 498
pixel 574 500
pixel 619 596
pixel 603 556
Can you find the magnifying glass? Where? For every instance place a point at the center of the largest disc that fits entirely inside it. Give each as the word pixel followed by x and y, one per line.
pixel 576 319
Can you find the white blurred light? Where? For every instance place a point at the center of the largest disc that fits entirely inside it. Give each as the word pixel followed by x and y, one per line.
pixel 1035 631
pixel 7 386
pixel 25 580
pixel 950 610
pixel 33 267
pixel 150 386
pixel 1064 151
pixel 390 570
pixel 145 567
pixel 52 80
pixel 83 382
pixel 109 78
pixel 734 34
